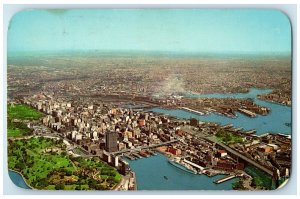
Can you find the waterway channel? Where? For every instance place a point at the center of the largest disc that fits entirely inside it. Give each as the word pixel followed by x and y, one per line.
pixel 150 171
pixel 277 121
pixel 156 173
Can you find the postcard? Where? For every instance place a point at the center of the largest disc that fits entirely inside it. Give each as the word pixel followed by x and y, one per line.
pixel 149 99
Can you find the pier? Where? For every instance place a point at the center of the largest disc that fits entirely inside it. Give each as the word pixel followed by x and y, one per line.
pixel 136 155
pixel 250 132
pixel 224 179
pixel 247 112
pixel 226 126
pixel 191 110
pixel 151 152
pixel 235 130
pixel 193 164
pixel 129 157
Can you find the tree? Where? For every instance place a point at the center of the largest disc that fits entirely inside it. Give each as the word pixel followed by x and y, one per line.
pixel 43 182
pixel 78 187
pixel 69 173
pixel 92 183
pixel 60 186
pixel 20 165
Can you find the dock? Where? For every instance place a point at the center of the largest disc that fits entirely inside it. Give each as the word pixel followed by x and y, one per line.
pixel 129 157
pixel 250 132
pixel 144 154
pixel 193 164
pixel 235 130
pixel 226 126
pixel 151 152
pixel 136 155
pixel 191 110
pixel 224 179
pixel 247 112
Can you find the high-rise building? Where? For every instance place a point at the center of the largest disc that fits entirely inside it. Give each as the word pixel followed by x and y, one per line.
pixel 111 138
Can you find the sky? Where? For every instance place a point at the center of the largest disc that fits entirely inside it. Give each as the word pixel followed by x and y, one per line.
pixel 252 31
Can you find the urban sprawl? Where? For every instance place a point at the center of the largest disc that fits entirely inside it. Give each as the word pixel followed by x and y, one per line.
pixel 101 109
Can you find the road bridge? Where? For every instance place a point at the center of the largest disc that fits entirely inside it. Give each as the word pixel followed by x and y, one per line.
pixel 241 156
pixel 230 150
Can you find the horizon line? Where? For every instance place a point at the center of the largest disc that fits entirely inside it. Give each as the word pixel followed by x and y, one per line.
pixel 150 52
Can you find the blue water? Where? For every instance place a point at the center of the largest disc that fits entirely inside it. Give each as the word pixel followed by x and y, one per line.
pixel 18 179
pixel 150 174
pixel 253 92
pixel 274 122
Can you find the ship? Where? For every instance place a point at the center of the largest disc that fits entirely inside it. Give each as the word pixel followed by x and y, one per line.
pixel 179 166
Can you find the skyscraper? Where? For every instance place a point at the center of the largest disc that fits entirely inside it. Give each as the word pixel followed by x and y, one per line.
pixel 111 144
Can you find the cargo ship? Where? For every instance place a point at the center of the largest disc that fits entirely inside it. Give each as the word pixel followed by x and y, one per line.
pixel 180 166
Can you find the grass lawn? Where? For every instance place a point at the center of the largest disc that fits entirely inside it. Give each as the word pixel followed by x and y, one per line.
pixel 23 112
pixel 55 170
pixel 20 112
pixel 228 137
pixel 15 129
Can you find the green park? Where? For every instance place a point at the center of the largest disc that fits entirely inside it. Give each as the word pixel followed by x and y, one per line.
pixel 17 115
pixel 44 164
pixel 228 137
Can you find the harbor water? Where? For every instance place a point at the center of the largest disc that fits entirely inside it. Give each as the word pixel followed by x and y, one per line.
pixel 277 121
pixel 17 179
pixel 150 171
pixel 156 173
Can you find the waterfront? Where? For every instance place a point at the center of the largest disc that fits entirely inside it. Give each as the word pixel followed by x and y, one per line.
pixel 150 174
pixel 274 122
pixel 17 179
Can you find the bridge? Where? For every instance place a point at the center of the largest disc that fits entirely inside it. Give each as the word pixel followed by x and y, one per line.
pixel 230 150
pixel 243 157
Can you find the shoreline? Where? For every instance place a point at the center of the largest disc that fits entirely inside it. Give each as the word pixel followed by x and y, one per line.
pixel 24 179
pixel 168 156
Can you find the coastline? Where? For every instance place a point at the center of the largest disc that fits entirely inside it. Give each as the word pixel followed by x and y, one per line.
pixel 274 102
pixel 25 180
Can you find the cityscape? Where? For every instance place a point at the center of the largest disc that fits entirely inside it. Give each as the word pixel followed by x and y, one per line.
pixel 148 119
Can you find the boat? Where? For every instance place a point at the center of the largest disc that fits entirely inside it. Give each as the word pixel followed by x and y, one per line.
pixel 288 124
pixel 165 177
pixel 180 166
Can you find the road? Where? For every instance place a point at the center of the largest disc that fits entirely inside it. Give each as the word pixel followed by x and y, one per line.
pixel 228 149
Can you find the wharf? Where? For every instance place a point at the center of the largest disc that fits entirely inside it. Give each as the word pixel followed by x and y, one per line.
pixel 226 126
pixel 247 112
pixel 224 179
pixel 250 132
pixel 235 130
pixel 129 157
pixel 191 110
pixel 144 154
pixel 193 164
pixel 136 155
pixel 151 152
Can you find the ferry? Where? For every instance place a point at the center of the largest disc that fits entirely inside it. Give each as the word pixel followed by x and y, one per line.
pixel 179 166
